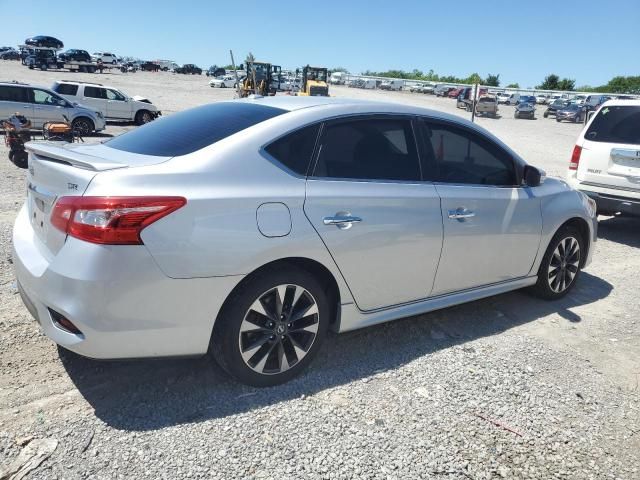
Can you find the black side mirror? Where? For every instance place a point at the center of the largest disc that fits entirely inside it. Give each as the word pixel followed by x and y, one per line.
pixel 533 177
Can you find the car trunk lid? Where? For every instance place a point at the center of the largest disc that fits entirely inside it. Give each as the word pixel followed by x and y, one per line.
pixel 67 170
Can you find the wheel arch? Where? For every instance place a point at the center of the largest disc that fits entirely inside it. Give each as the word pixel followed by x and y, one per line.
pixel 315 268
pixel 582 226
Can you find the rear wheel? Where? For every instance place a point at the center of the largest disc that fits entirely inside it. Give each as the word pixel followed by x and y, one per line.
pixel 82 126
pixel 272 327
pixel 561 264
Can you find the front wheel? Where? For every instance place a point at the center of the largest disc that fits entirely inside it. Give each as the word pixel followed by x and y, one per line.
pixel 272 327
pixel 561 264
pixel 142 117
pixel 82 126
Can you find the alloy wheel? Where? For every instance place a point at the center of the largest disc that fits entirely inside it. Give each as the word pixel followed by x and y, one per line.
pixel 278 329
pixel 564 264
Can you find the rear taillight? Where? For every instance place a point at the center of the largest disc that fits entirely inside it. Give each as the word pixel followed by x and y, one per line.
pixel 575 158
pixel 111 220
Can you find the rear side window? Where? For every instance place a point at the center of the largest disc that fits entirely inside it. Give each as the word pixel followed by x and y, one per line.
pixel 190 130
pixel 66 89
pixel 94 92
pixel 294 151
pixel 13 94
pixel 616 124
pixel 369 149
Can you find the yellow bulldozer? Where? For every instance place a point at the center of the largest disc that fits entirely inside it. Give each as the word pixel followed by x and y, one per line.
pixel 314 82
pixel 262 79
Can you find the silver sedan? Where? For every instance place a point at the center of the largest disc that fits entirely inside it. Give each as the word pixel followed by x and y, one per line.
pixel 247 229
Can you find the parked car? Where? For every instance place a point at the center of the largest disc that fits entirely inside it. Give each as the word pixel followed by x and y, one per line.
pixel 75 55
pixel 527 99
pixel 487 105
pixel 554 106
pixel 228 81
pixel 443 90
pixel 40 105
pixel 44 41
pixel 215 71
pixel 149 67
pixel 572 112
pixel 513 99
pixel 429 89
pixel 42 59
pixel 112 103
pixel 525 110
pixel 593 102
pixel 579 99
pixel 605 163
pixel 393 85
pixel 264 273
pixel 189 68
pixel 542 99
pixel 10 55
pixel 463 100
pixel 503 97
pixel 106 57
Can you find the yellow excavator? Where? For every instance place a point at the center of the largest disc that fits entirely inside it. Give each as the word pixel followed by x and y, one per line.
pixel 314 82
pixel 262 79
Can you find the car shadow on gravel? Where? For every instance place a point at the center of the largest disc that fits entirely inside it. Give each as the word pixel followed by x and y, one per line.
pixel 625 230
pixel 150 394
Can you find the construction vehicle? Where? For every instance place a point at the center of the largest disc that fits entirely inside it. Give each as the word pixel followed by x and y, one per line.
pixel 262 79
pixel 314 82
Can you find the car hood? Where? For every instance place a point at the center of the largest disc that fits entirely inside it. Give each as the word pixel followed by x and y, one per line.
pixel 140 98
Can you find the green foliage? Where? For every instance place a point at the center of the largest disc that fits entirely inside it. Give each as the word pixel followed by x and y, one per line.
pixel 492 80
pixel 513 85
pixel 553 82
pixel 622 85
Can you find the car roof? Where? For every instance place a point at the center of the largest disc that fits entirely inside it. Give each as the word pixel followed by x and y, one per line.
pixel 616 103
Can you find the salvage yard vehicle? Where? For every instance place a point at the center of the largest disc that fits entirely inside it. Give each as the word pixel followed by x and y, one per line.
pixel 189 69
pixel 261 78
pixel 277 218
pixel 503 97
pixel 40 105
pixel 314 82
pixel 74 54
pixel 113 104
pixel 228 81
pixel 487 105
pixel 553 107
pixel 443 90
pixel 571 112
pixel 106 57
pixel 44 41
pixel 525 110
pixel 605 163
pixel 215 71
pixel 393 85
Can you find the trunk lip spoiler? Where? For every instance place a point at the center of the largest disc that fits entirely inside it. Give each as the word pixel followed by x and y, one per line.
pixel 80 160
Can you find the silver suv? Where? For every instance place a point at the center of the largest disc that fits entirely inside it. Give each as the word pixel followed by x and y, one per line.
pixel 41 105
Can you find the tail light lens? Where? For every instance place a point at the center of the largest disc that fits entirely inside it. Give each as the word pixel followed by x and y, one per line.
pixel 575 158
pixel 111 220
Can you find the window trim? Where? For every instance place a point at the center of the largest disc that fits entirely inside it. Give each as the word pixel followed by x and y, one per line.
pixel 265 153
pixel 368 116
pixel 518 166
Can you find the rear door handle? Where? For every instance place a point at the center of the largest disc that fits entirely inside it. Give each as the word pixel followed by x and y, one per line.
pixel 461 214
pixel 341 221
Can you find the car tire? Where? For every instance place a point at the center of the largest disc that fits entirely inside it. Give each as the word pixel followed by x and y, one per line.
pixel 515 115
pixel 273 352
pixel 561 263
pixel 558 120
pixel 142 117
pixel 83 126
pixel 545 115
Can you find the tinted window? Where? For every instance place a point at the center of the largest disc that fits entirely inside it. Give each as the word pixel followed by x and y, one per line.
pixel 13 94
pixel 373 149
pixel 295 150
pixel 190 130
pixel 66 89
pixel 616 124
pixel 95 92
pixel 462 156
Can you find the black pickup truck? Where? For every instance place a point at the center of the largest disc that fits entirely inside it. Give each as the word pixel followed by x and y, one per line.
pixel 189 68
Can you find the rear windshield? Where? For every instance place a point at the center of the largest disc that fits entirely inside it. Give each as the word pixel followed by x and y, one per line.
pixel 616 124
pixel 190 130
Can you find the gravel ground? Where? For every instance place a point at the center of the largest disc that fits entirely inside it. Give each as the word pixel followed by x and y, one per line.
pixel 507 387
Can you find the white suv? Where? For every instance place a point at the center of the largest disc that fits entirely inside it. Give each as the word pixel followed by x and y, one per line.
pixel 111 102
pixel 105 57
pixel 605 163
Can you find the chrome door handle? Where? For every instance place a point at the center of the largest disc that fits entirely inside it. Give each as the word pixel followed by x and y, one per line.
pixel 461 214
pixel 341 221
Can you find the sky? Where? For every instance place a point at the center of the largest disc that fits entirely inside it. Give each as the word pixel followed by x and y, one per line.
pixel 589 41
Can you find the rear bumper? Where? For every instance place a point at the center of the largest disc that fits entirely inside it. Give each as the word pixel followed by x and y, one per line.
pixel 614 203
pixel 116 296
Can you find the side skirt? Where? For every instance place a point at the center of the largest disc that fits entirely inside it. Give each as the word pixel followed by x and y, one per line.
pixel 351 318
